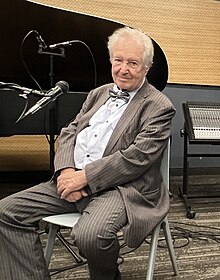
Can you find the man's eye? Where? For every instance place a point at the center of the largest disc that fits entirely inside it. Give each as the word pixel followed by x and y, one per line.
pixel 133 64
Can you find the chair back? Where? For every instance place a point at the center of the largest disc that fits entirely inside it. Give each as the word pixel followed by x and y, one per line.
pixel 165 165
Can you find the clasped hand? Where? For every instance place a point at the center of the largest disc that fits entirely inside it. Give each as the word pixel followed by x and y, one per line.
pixel 71 183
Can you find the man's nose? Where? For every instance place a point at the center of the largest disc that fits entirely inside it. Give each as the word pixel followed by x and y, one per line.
pixel 124 67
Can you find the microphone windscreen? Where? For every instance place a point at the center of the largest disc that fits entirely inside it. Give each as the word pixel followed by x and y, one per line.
pixel 63 85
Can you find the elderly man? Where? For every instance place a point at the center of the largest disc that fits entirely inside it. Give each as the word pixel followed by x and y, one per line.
pixel 107 167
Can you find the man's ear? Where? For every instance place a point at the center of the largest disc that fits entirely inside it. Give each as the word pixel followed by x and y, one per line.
pixel 147 68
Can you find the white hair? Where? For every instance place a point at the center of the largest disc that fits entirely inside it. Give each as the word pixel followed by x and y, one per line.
pixel 139 37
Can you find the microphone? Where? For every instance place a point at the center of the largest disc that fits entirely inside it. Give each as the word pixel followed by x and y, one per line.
pixel 41 40
pixel 60 88
pixel 63 44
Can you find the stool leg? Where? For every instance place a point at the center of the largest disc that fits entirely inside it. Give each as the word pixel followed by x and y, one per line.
pixel 152 253
pixel 50 242
pixel 167 234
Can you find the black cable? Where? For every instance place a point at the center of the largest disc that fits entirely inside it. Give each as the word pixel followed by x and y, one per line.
pixel 28 72
pixel 179 232
pixel 23 60
pixel 93 59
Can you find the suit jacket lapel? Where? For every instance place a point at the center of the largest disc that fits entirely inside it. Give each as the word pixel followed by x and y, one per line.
pixel 102 98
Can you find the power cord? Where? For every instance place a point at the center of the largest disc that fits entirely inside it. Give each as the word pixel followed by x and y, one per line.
pixel 190 231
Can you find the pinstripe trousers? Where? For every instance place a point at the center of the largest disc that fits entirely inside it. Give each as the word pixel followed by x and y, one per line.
pixel 21 253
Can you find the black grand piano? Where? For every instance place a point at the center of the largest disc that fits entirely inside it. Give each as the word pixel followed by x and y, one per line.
pixel 83 64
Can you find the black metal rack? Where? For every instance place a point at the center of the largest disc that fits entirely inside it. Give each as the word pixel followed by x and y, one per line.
pixel 202 126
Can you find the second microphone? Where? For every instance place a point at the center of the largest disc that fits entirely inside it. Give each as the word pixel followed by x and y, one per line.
pixel 60 88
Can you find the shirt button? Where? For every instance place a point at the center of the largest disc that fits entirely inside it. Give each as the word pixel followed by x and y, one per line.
pixel 88 155
pixel 95 135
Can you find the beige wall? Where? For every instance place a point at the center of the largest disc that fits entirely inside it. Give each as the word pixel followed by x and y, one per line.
pixel 187 31
pixel 19 152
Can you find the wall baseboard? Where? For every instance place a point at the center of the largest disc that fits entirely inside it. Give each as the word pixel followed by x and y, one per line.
pixel 25 177
pixel 196 171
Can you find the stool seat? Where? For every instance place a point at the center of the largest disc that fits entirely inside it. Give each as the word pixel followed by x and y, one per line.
pixel 65 220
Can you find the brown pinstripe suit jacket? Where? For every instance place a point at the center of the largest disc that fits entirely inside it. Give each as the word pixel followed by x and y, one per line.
pixel 132 157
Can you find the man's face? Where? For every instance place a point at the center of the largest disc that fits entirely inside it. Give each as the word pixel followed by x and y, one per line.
pixel 128 70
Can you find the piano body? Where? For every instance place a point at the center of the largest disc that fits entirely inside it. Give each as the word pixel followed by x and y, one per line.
pixel 76 67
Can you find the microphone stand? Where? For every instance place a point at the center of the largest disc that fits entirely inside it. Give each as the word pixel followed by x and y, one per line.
pixel 53 107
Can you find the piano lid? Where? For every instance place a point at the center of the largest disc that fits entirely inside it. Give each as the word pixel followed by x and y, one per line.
pixel 18 17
